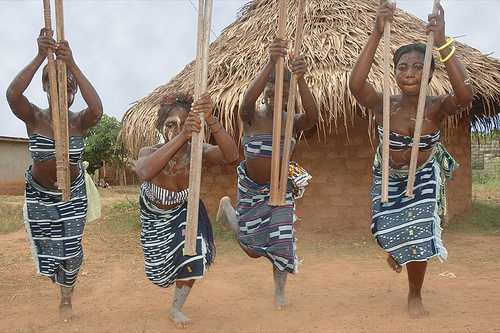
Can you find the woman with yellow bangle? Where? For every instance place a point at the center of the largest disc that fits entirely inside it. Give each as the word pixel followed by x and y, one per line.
pixel 408 228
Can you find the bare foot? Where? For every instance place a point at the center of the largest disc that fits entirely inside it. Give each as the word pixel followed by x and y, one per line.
pixel 281 302
pixel 226 215
pixel 179 319
pixel 67 313
pixel 279 289
pixel 394 264
pixel 222 217
pixel 65 307
pixel 416 307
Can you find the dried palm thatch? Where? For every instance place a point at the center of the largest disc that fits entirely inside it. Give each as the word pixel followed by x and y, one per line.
pixel 334 34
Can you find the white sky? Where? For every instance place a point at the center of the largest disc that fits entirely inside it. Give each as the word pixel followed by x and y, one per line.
pixel 127 48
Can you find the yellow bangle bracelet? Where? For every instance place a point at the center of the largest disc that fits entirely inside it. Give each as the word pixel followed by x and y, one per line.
pixel 448 42
pixel 449 55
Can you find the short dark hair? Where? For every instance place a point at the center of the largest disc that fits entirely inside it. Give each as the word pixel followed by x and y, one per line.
pixel 287 76
pixel 183 100
pixel 69 75
pixel 417 47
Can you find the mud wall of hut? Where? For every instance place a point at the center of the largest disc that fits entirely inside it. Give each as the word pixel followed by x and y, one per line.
pixel 460 188
pixel 338 195
pixel 14 160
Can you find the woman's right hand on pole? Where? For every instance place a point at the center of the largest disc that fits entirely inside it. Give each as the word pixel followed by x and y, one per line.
pixel 278 48
pixel 45 41
pixel 384 12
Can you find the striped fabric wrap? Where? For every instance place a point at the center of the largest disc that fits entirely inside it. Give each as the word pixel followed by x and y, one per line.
pixel 43 148
pixel 162 238
pixel 55 228
pixel 163 196
pixel 261 145
pixel 268 230
pixel 408 228
pixel 400 142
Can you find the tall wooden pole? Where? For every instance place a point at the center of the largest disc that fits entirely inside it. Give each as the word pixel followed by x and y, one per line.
pixel 278 113
pixel 386 114
pixel 420 109
pixel 201 78
pixel 287 145
pixel 63 166
pixel 54 101
pixel 58 103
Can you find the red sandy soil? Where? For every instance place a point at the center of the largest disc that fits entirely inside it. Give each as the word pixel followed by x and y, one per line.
pixel 344 285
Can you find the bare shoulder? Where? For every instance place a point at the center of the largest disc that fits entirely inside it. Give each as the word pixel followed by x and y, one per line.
pixel 75 117
pixel 246 113
pixel 435 104
pixel 146 151
pixel 207 147
pixel 378 106
pixel 39 118
pixel 39 114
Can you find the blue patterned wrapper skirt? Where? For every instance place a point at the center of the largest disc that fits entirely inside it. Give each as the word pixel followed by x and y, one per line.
pixel 408 228
pixel 55 228
pixel 263 229
pixel 162 238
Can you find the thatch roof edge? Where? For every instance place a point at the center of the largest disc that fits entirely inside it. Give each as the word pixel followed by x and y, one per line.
pixel 334 34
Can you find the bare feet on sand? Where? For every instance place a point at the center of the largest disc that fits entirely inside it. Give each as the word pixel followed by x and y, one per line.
pixel 179 319
pixel 279 289
pixel 65 307
pixel 394 265
pixel 416 307
pixel 67 313
pixel 281 302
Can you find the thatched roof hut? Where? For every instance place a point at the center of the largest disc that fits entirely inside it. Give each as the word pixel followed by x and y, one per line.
pixel 334 34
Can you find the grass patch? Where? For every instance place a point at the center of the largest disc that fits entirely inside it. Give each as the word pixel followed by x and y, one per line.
pixel 120 225
pixel 121 217
pixel 487 191
pixel 11 213
pixel 483 217
pixel 224 238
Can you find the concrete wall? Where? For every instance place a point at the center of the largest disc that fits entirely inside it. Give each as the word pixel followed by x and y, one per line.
pixel 14 160
pixel 486 155
pixel 338 196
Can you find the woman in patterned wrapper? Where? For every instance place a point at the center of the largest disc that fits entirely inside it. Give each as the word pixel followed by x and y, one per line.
pixel 164 172
pixel 54 227
pixel 263 230
pixel 408 228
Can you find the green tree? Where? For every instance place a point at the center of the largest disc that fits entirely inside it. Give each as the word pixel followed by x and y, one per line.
pixel 122 162
pixel 101 147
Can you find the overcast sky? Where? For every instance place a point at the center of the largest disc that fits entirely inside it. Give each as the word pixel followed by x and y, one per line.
pixel 127 48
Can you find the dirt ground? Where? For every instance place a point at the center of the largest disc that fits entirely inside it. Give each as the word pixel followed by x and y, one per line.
pixel 343 285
